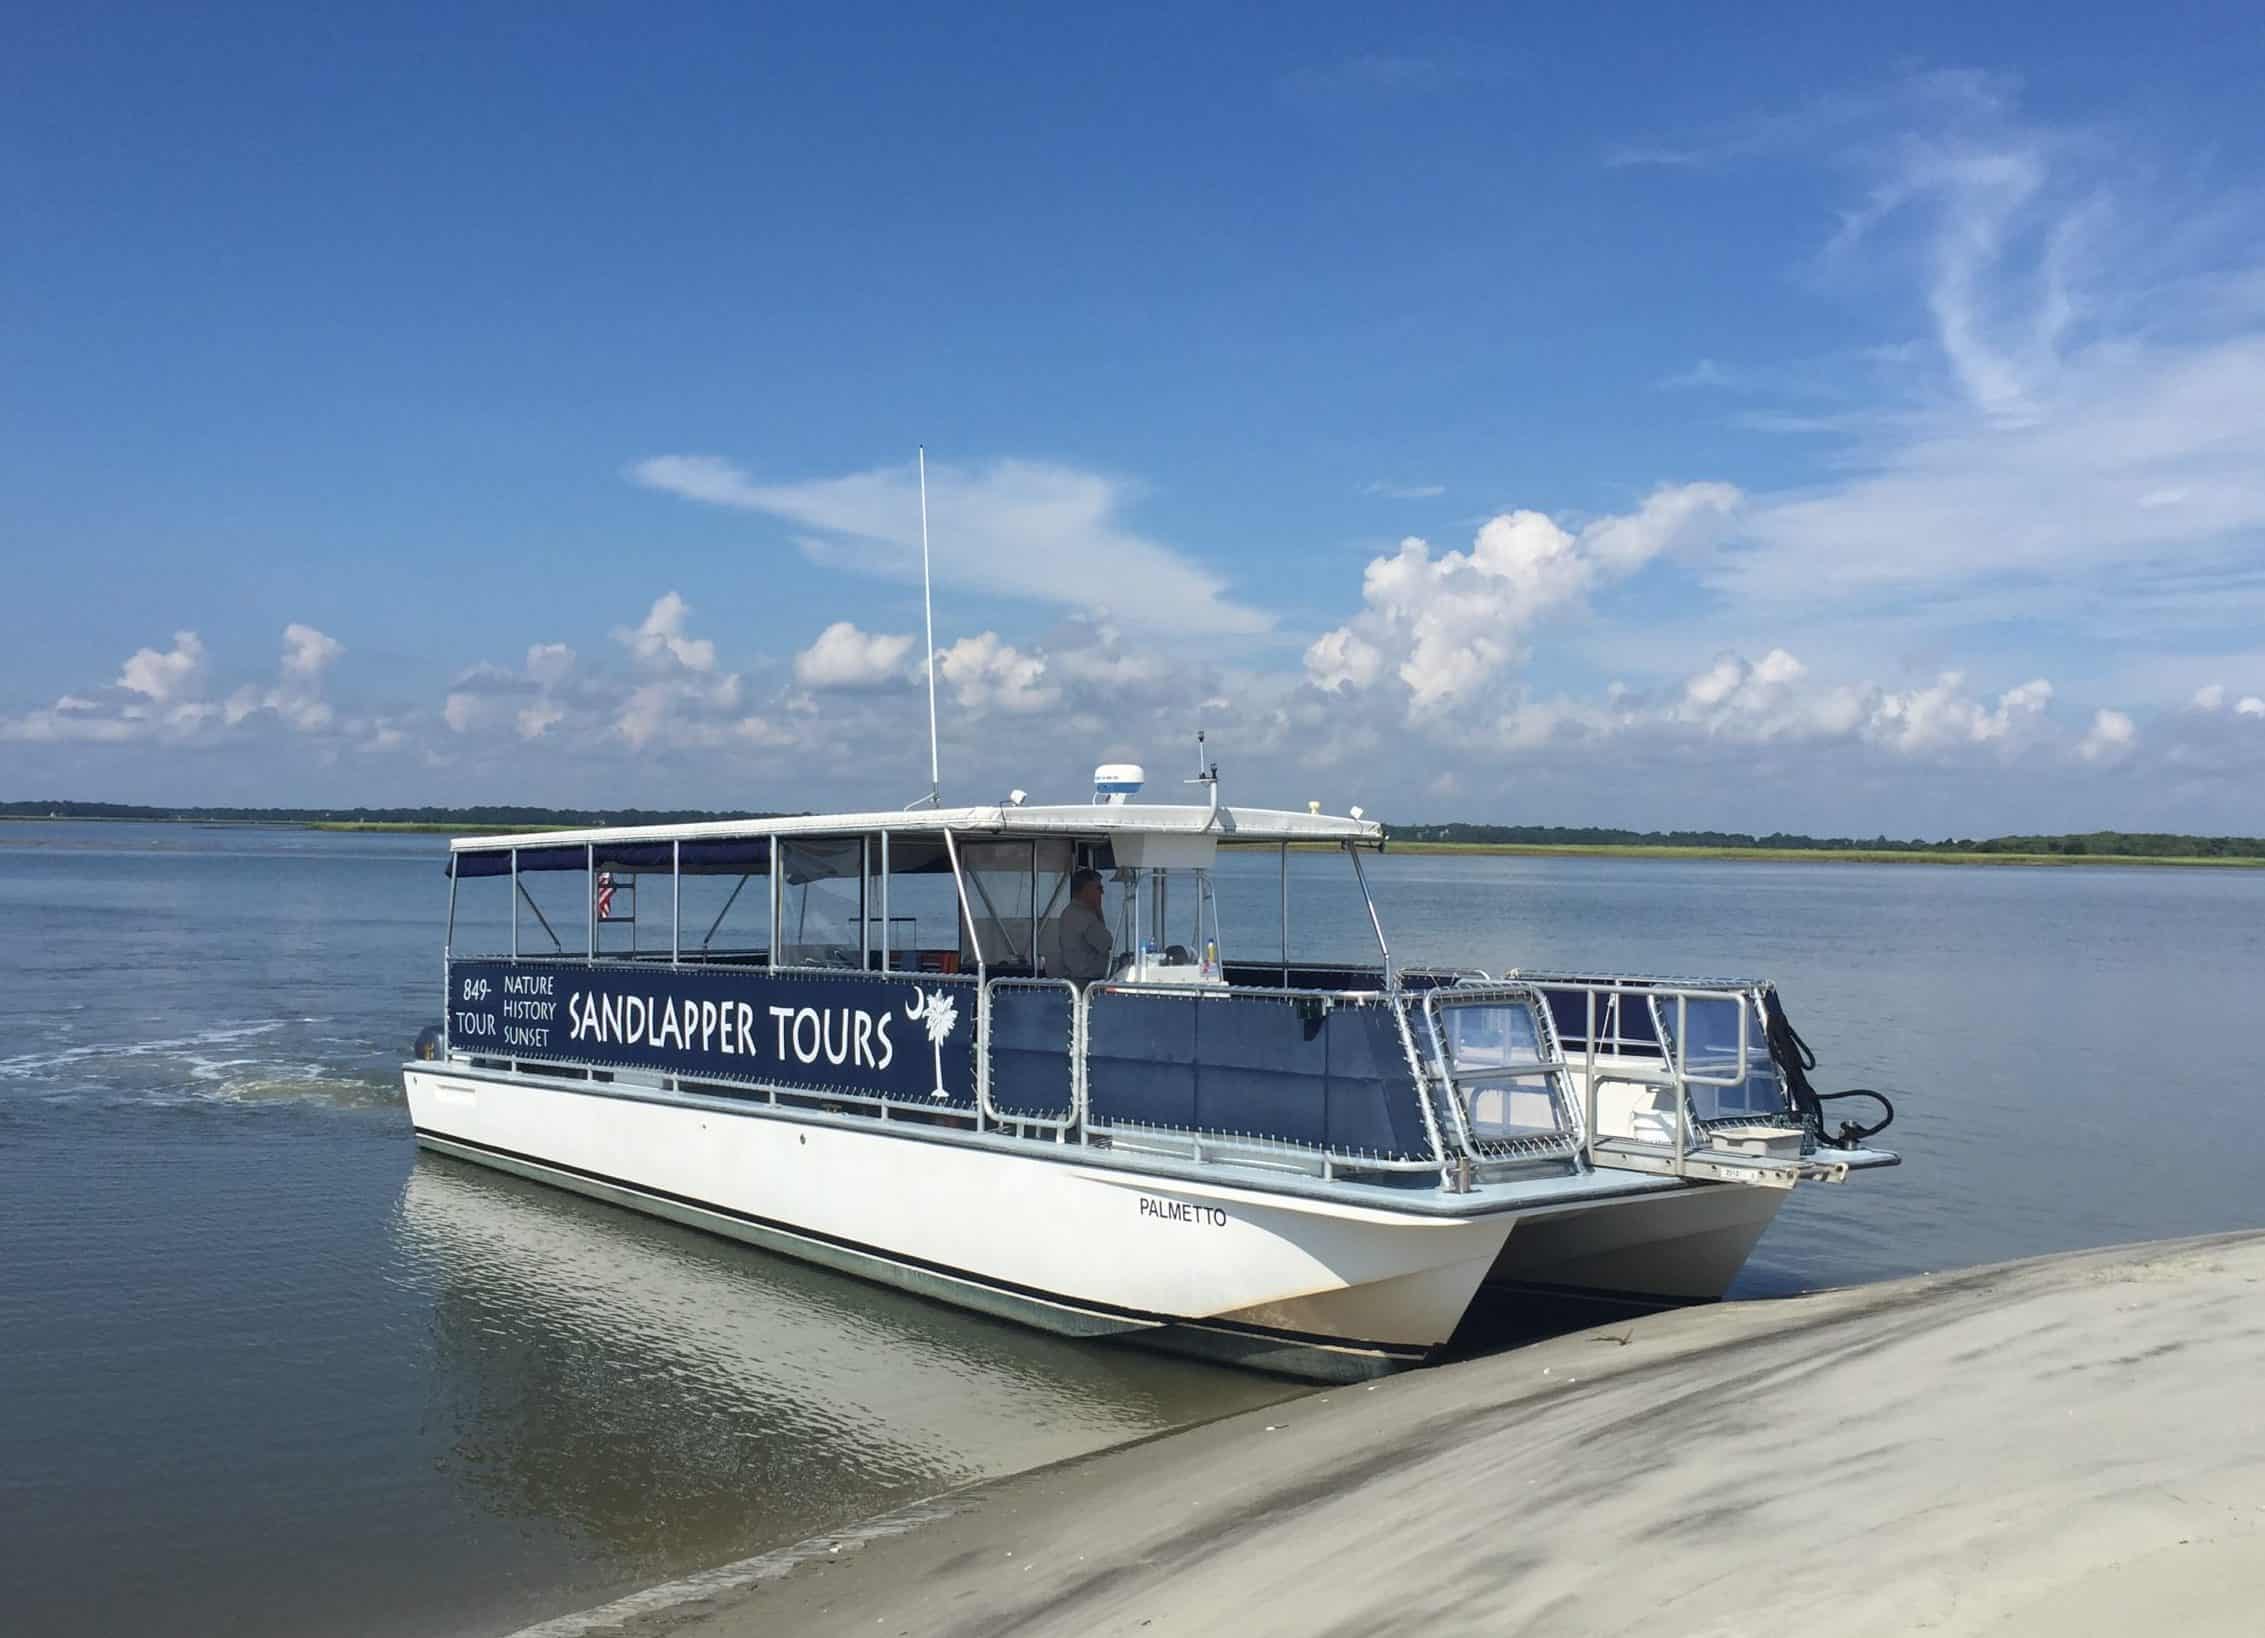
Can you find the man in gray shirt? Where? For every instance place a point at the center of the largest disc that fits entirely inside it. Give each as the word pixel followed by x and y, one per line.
pixel 1086 947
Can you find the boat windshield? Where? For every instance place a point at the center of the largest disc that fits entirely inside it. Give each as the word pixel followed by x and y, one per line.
pixel 1165 917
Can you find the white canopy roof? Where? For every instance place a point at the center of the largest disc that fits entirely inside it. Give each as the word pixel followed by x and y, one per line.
pixel 1066 819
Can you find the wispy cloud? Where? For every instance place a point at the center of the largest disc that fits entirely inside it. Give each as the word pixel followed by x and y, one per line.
pixel 2079 438
pixel 1705 374
pixel 1373 74
pixel 1826 123
pixel 1031 530
pixel 1403 491
pixel 1847 375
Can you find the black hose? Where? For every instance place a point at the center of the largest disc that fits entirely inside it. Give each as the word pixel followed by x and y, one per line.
pixel 1851 1134
pixel 1796 1060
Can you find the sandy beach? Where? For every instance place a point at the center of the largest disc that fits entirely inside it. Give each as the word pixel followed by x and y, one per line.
pixel 2070 1445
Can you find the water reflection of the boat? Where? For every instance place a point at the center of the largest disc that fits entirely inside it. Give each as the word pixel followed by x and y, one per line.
pixel 646 1382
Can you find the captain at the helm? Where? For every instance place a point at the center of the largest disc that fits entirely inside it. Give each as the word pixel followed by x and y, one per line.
pixel 1084 932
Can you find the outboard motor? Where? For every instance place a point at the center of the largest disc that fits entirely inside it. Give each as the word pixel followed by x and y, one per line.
pixel 428 1044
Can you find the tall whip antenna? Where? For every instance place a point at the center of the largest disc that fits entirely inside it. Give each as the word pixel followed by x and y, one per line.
pixel 928 614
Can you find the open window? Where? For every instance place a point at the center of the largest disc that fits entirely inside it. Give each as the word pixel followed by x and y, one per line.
pixel 1015 894
pixel 822 902
pixel 528 902
pixel 722 901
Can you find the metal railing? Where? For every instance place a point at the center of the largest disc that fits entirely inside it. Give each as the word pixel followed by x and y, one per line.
pixel 1464 1076
pixel 1609 1053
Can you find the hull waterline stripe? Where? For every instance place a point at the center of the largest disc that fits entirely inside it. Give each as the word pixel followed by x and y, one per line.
pixel 1410 1352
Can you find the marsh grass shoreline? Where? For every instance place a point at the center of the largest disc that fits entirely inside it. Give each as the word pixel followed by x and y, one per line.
pixel 1508 850
pixel 1812 855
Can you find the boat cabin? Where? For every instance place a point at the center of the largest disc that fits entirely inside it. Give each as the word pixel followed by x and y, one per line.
pixel 972 890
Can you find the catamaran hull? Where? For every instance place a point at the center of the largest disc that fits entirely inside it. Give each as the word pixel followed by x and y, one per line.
pixel 1321 1289
pixel 1658 1250
pixel 1315 1288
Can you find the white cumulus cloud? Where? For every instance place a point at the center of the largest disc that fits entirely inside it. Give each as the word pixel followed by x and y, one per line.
pixel 1942 715
pixel 1449 623
pixel 660 638
pixel 845 657
pixel 157 698
pixel 985 674
pixel 308 653
pixel 1339 659
pixel 2111 737
pixel 549 664
pixel 295 697
pixel 167 675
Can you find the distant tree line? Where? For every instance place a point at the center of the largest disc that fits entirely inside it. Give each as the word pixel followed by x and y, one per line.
pixel 2120 843
pixel 378 816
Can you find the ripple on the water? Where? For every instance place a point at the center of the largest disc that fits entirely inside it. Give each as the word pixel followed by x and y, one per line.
pixel 262 1060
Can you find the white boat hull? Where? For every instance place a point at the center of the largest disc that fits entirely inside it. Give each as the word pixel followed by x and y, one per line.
pixel 1663 1249
pixel 1310 1286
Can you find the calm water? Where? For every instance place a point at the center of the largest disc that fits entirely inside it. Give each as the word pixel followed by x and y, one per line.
pixel 264 1368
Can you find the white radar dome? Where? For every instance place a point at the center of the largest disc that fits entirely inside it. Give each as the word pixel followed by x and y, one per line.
pixel 1116 783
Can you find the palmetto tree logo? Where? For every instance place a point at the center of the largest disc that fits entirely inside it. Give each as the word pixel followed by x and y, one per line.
pixel 940 1013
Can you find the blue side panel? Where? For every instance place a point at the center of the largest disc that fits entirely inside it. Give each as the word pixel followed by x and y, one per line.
pixel 1254 1066
pixel 1569 1011
pixel 1030 1050
pixel 1260 1069
pixel 713 856
pixel 1371 1094
pixel 1628 1030
pixel 1635 1020
pixel 1140 1058
pixel 498 862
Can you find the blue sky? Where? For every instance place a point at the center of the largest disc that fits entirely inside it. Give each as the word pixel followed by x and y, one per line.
pixel 1838 421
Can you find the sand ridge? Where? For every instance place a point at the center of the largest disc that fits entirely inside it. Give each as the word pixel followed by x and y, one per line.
pixel 2070 1445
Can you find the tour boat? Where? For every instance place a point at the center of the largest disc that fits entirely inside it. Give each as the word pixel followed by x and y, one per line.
pixel 850 1038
